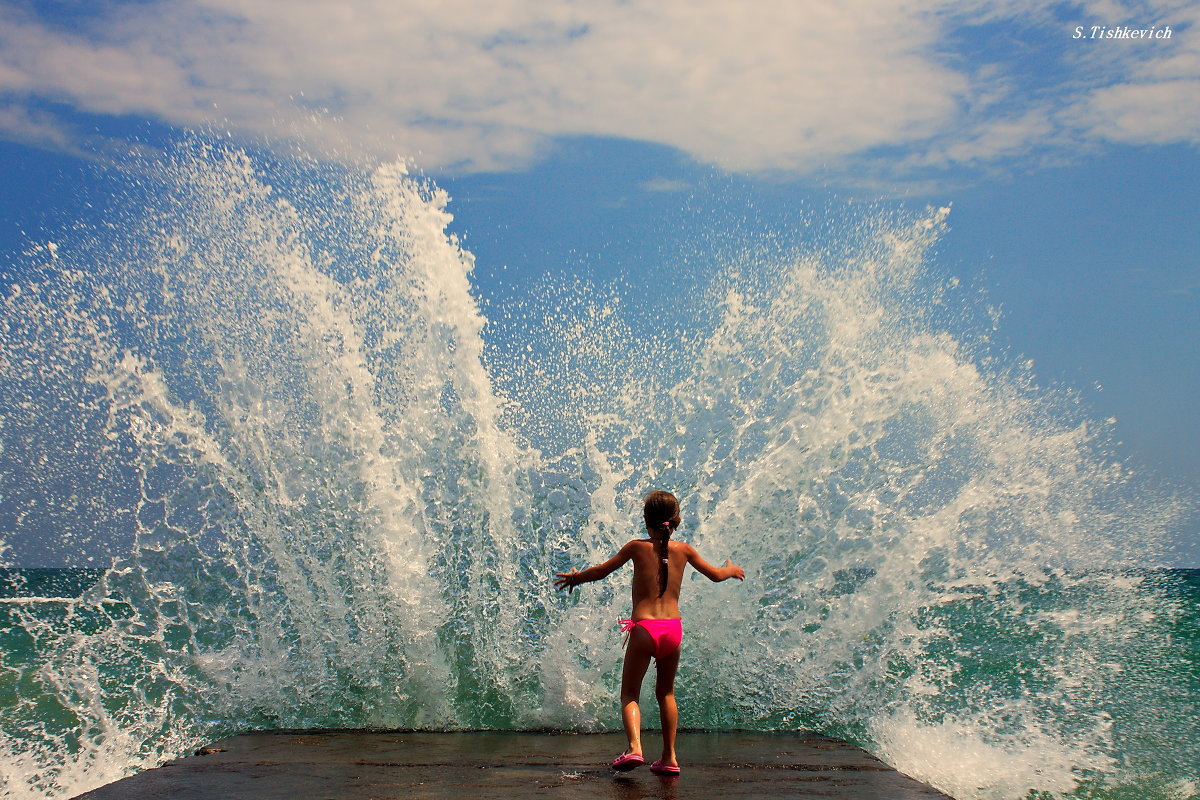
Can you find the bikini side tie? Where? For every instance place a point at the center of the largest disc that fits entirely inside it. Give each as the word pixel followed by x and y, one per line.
pixel 626 626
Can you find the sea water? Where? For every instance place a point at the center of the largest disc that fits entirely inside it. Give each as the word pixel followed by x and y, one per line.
pixel 344 492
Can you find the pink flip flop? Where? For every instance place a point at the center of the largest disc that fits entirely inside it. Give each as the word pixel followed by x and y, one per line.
pixel 627 761
pixel 663 769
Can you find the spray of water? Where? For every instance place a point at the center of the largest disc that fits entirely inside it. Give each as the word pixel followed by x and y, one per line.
pixel 272 382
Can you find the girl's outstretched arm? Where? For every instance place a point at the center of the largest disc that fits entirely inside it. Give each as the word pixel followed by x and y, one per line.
pixel 569 580
pixel 715 574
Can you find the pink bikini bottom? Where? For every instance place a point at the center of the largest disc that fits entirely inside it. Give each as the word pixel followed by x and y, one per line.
pixel 666 633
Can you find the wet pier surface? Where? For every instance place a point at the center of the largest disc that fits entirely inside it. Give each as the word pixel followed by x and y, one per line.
pixel 362 765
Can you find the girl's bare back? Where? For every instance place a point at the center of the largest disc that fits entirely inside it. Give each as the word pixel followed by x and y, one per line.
pixel 647 602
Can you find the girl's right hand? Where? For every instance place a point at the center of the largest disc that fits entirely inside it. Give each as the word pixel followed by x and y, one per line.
pixel 734 570
pixel 566 580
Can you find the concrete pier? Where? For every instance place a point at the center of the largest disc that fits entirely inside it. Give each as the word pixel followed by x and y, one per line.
pixel 373 765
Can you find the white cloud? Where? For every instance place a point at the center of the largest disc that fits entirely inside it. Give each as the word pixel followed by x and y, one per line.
pixel 458 83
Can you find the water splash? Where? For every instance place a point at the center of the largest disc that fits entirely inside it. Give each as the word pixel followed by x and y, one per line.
pixel 271 381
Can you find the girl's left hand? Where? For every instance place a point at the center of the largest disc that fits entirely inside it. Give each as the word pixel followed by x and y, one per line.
pixel 566 580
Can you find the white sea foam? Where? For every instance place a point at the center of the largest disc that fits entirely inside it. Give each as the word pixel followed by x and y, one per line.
pixel 984 764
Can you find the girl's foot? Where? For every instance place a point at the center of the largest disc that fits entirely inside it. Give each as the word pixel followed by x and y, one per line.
pixel 664 769
pixel 628 761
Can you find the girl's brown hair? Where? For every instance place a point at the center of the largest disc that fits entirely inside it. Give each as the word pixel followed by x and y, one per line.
pixel 660 510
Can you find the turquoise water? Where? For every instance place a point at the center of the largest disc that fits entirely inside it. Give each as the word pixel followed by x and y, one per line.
pixel 345 480
pixel 1150 708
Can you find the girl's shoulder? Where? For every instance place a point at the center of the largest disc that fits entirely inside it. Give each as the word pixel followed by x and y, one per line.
pixel 641 544
pixel 672 544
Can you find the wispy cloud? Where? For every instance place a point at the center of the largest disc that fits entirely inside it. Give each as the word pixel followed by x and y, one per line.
pixel 1143 113
pixel 29 126
pixel 664 185
pixel 49 132
pixel 769 86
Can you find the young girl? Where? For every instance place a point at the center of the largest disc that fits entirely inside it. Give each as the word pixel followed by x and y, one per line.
pixel 655 628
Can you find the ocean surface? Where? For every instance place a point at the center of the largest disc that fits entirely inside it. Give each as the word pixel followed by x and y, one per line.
pixel 342 476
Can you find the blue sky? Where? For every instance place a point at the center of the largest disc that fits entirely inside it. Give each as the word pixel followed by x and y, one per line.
pixel 572 135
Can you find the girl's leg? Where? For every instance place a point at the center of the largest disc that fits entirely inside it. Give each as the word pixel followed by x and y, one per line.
pixel 637 658
pixel 664 690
